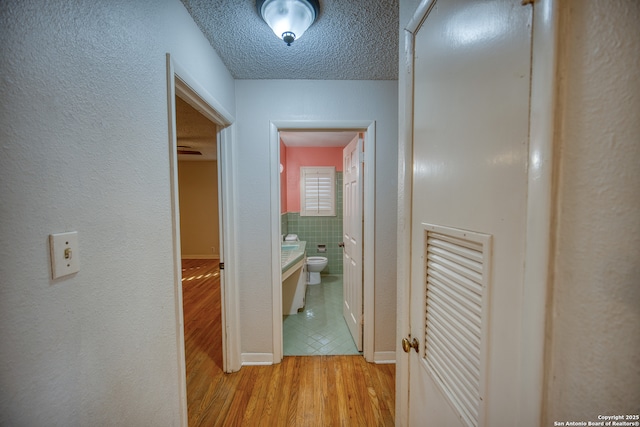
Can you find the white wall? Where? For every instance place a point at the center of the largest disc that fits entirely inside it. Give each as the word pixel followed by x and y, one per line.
pixel 258 102
pixel 594 354
pixel 84 146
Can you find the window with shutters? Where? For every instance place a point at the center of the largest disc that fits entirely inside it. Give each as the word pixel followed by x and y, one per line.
pixel 318 191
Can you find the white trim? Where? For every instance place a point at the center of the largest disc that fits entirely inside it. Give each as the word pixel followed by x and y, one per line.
pixel 180 83
pixel 276 233
pixel 539 209
pixel 368 126
pixel 405 189
pixel 175 236
pixel 198 97
pixel 384 357
pixel 189 90
pixel 231 300
pixel 369 252
pixel 257 359
pixel 539 212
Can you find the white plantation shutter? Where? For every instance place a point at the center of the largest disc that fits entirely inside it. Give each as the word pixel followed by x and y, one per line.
pixel 317 191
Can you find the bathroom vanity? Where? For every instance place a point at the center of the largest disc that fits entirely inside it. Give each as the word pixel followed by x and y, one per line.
pixel 294 276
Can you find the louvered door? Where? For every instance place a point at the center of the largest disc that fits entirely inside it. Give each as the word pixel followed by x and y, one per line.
pixel 470 125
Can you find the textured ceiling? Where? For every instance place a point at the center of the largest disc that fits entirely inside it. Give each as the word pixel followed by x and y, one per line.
pixel 350 40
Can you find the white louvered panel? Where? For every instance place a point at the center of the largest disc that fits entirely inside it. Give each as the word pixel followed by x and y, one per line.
pixel 459 294
pixel 467 348
pixel 456 311
pixel 451 328
pixel 472 368
pixel 464 402
pixel 456 325
pixel 466 368
pixel 455 286
pixel 317 191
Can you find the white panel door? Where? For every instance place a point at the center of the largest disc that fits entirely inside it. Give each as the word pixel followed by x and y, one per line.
pixel 352 238
pixel 470 147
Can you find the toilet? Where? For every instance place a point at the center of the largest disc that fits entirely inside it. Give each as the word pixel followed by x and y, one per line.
pixel 315 264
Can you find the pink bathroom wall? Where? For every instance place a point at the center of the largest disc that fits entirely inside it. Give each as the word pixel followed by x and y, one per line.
pixel 306 156
pixel 283 179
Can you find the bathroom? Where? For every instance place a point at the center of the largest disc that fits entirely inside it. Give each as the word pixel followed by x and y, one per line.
pixel 316 325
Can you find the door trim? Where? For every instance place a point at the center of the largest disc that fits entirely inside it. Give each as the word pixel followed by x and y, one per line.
pixel 540 202
pixel 540 205
pixel 368 279
pixel 180 82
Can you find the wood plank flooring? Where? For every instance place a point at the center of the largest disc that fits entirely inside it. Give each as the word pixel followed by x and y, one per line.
pixel 300 391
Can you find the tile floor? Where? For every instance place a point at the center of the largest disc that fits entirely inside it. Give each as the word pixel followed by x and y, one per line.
pixel 320 328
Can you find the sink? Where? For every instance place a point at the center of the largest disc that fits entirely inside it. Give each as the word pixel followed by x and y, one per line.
pixel 291 253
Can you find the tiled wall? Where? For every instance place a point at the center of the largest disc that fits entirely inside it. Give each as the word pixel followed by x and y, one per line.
pixel 284 224
pixel 317 230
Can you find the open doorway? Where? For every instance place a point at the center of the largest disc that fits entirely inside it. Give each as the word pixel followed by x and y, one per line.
pixel 367 129
pixel 199 246
pixel 182 87
pixel 314 323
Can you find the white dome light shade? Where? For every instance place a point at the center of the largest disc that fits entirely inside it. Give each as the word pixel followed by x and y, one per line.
pixel 288 19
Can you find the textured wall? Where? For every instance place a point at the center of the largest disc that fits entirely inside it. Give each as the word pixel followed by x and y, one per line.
pixel 84 146
pixel 594 358
pixel 258 102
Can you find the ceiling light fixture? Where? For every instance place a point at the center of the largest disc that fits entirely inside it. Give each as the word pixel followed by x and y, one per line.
pixel 288 19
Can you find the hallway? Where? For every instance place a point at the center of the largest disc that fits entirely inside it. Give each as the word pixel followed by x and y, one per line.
pixel 300 391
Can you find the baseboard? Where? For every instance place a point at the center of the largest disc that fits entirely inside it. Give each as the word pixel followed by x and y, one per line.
pixel 249 359
pixel 210 256
pixel 384 357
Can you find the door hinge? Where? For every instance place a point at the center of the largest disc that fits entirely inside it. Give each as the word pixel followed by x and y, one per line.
pixel 361 156
pixel 221 266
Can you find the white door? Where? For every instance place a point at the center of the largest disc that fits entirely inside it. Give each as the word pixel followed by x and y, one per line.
pixel 468 214
pixel 352 238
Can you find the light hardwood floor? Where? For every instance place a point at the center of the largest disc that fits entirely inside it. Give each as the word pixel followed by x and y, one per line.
pixel 300 391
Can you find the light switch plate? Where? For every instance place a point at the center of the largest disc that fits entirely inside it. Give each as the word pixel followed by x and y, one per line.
pixel 65 254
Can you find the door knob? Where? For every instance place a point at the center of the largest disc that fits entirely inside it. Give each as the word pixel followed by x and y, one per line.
pixel 408 345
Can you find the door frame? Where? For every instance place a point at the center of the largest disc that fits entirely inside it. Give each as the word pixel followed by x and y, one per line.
pixel 540 202
pixel 181 83
pixel 368 278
